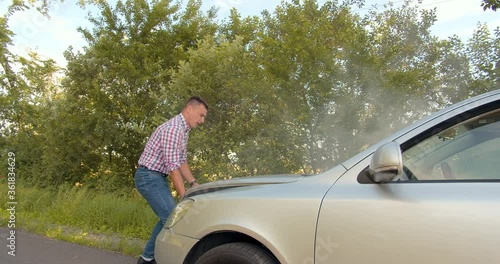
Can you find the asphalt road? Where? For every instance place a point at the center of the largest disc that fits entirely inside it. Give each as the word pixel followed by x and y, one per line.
pixel 37 249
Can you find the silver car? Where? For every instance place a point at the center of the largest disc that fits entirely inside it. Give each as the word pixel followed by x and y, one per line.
pixel 429 193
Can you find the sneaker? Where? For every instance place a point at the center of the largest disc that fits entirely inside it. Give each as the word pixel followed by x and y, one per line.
pixel 143 261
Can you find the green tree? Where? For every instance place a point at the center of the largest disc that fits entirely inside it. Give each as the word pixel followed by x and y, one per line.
pixel 453 72
pixel 491 4
pixel 12 88
pixel 403 87
pixel 483 51
pixel 118 78
pixel 246 28
pixel 28 84
pixel 227 75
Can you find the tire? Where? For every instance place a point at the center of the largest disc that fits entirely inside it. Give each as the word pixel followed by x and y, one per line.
pixel 237 253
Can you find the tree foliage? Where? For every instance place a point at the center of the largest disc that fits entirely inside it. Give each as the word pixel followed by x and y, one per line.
pixel 296 90
pixel 491 4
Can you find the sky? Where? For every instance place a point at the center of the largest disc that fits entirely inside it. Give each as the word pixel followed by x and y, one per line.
pixel 50 37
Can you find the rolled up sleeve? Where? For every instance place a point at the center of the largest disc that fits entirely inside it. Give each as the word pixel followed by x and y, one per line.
pixel 175 153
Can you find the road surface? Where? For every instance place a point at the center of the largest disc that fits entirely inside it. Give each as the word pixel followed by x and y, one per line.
pixel 35 249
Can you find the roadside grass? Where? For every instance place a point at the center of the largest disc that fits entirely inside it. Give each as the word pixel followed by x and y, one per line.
pixel 112 221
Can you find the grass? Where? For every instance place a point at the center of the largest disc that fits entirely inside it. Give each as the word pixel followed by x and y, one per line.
pixel 110 221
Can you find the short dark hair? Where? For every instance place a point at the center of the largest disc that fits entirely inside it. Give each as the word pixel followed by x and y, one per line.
pixel 197 100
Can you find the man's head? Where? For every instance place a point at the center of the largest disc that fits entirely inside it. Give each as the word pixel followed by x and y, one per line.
pixel 194 111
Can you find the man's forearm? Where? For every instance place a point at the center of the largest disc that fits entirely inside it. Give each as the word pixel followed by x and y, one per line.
pixel 186 173
pixel 176 178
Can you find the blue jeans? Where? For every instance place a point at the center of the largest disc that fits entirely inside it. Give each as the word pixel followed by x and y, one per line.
pixel 153 186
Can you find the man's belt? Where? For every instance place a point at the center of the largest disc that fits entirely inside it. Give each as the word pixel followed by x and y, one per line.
pixel 144 167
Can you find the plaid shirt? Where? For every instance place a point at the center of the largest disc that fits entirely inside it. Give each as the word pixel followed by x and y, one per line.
pixel 166 150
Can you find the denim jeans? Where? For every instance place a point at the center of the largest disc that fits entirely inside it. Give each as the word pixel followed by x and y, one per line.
pixel 153 186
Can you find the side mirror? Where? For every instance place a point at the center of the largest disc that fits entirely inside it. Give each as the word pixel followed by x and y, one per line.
pixel 386 164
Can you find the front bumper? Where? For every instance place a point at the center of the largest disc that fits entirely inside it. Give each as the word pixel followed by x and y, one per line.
pixel 171 247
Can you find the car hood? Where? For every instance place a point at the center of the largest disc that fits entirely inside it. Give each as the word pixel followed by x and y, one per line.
pixel 241 182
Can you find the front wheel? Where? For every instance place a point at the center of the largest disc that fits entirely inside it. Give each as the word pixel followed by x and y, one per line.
pixel 237 253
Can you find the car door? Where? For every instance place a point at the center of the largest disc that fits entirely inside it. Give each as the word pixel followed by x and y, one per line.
pixel 444 209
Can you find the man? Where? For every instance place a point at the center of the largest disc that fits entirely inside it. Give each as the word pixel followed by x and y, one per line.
pixel 165 154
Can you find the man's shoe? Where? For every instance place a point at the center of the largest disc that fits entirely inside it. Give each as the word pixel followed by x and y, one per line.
pixel 142 261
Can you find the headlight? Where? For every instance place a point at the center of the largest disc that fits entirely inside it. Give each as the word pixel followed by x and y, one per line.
pixel 179 211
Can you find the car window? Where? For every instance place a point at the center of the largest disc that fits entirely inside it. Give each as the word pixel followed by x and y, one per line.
pixel 469 150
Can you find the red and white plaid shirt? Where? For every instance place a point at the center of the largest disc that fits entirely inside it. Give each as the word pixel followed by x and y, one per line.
pixel 166 150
